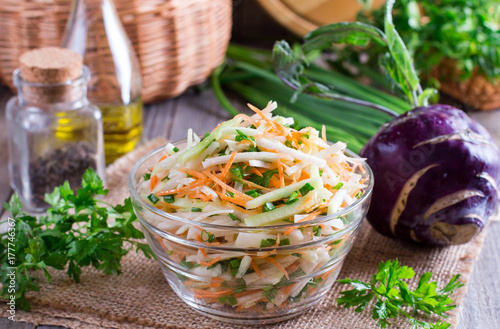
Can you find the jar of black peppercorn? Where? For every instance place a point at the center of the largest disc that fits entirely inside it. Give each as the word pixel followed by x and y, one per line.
pixel 55 135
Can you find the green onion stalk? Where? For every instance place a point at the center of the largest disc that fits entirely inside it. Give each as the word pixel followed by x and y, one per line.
pixel 249 73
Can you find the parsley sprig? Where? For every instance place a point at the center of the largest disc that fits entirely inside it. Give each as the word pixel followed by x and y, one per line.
pixel 78 230
pixel 394 297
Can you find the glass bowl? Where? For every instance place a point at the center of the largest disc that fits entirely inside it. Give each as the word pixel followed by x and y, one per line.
pixel 248 285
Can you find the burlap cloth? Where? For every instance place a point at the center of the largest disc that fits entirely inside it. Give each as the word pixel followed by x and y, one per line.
pixel 141 298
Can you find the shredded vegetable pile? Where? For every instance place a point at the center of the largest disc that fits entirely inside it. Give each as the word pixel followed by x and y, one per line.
pixel 253 171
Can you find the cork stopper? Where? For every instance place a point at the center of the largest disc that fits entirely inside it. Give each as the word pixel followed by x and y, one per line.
pixel 50 65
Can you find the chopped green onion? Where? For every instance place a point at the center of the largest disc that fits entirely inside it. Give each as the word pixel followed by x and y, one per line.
pixel 146 176
pixel 267 242
pixel 268 206
pixel 187 265
pixel 231 194
pixel 196 209
pixel 317 230
pixel 293 197
pixel 254 193
pixel 338 186
pixel 169 198
pixel 165 178
pixel 208 237
pixel 233 217
pixel 153 198
pixel 176 149
pixel 306 189
pixel 285 242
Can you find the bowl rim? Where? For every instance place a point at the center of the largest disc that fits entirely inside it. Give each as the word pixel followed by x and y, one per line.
pixel 319 220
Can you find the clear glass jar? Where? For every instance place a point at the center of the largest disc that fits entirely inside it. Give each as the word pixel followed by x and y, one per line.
pixel 54 136
pixel 94 31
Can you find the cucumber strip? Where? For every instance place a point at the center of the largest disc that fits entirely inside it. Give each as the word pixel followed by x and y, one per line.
pixel 280 213
pixel 281 193
pixel 198 148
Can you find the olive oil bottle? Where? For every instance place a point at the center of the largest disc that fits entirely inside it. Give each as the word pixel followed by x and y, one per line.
pixel 94 30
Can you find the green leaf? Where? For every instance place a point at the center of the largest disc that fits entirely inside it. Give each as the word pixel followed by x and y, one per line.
pixel 355 33
pixel 14 206
pixel 306 189
pixel 400 54
pixel 268 206
pixel 423 98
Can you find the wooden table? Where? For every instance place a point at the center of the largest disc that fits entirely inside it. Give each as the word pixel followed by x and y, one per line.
pixel 172 118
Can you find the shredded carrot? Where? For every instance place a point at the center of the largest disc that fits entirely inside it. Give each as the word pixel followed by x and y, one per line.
pixel 153 183
pixel 255 171
pixel 247 118
pixel 323 133
pixel 200 293
pixel 287 289
pixel 228 166
pixel 256 269
pixel 226 197
pixel 271 123
pixel 162 158
pixel 237 194
pixel 203 252
pixel 280 172
pixel 278 265
pixel 309 217
pixel 191 172
pixel 190 186
pixel 216 281
pixel 210 263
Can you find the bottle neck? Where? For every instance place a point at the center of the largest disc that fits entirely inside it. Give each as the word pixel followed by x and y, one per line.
pixel 65 96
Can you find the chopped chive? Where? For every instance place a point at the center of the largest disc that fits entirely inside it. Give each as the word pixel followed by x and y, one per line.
pixel 306 189
pixel 206 135
pixel 317 230
pixel 285 242
pixel 267 242
pixel 293 197
pixel 254 193
pixel 153 198
pixel 169 198
pixel 338 186
pixel 233 217
pixel 165 178
pixel 268 206
pixel 209 236
pixel 195 209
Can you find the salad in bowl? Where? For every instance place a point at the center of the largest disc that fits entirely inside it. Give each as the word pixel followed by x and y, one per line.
pixel 251 222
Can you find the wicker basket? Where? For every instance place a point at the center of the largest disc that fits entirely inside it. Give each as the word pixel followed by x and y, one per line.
pixel 476 91
pixel 178 42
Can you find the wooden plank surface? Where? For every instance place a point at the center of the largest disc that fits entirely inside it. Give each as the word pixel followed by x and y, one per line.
pixel 171 119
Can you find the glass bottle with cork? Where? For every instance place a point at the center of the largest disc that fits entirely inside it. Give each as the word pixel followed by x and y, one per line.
pixel 54 133
pixel 94 30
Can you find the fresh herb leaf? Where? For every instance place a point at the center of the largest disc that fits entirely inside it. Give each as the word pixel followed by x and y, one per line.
pixel 394 298
pixel 186 264
pixel 231 194
pixel 266 177
pixel 74 233
pixel 236 173
pixel 176 149
pixel 146 176
pixel 241 136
